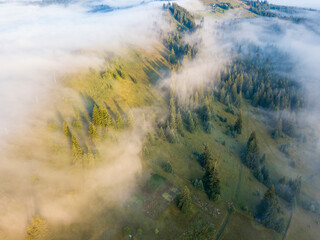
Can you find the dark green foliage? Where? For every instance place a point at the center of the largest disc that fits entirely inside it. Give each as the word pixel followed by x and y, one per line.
pixel 224 6
pixel 211 180
pixel 253 160
pixel 178 48
pixel 238 125
pixel 205 113
pixel 190 122
pixel 167 167
pixel 198 184
pixel 261 80
pixel 206 157
pixel 263 8
pixel 269 211
pixel 183 16
pixel 252 155
pixel 284 148
pixel 208 127
pixel 288 190
pixel 185 201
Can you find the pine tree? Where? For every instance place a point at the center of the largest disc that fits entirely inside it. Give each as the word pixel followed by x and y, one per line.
pixel 105 118
pixel 191 126
pixel 252 152
pixel 238 125
pixel 185 202
pixel 76 151
pixel 96 117
pixel 207 159
pixel 66 129
pixel 211 182
pixel 92 132
pixel 268 210
pixel 179 123
pixel 37 230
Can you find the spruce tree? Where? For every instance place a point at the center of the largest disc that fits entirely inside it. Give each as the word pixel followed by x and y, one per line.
pixel 96 117
pixel 185 202
pixel 179 123
pixel 211 182
pixel 238 125
pixel 191 126
pixel 105 118
pixel 268 211
pixel 207 158
pixel 252 152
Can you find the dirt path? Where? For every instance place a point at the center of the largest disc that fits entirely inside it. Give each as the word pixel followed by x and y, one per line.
pixel 288 226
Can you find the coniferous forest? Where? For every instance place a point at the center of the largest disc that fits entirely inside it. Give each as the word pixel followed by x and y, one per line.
pixel 159 120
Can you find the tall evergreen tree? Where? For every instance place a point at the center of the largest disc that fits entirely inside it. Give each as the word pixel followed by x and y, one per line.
pixel 191 125
pixel 269 209
pixel 185 202
pixel 211 182
pixel 105 118
pixel 96 117
pixel 207 159
pixel 179 123
pixel 238 125
pixel 252 156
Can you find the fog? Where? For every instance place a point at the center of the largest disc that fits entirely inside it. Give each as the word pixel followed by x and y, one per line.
pixel 39 44
pixel 298 3
pixel 300 43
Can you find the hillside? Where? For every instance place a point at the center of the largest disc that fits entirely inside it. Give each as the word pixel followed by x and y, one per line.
pixel 169 142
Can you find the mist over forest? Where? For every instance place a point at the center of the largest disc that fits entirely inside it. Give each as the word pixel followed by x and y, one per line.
pixel 188 119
